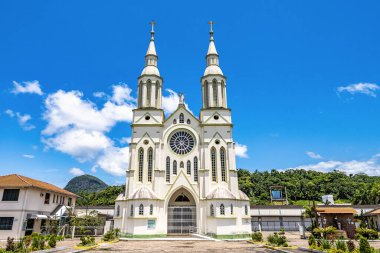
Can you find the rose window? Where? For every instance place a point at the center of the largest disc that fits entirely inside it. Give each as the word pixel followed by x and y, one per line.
pixel 181 142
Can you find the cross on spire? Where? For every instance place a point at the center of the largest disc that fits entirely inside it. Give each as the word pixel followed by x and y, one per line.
pixel 211 23
pixel 152 23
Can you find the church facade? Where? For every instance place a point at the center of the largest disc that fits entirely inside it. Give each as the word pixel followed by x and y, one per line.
pixel 182 175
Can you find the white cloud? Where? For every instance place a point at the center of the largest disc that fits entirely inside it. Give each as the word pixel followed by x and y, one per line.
pixel 28 156
pixel 170 102
pixel 32 87
pixel 363 88
pixel 125 140
pixel 241 150
pixel 22 119
pixel 122 94
pixel 99 94
pixel 84 145
pixel 370 167
pixel 77 127
pixel 313 155
pixel 76 171
pixel 114 161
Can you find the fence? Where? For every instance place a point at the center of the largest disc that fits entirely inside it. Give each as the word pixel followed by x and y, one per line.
pixel 277 225
pixel 74 231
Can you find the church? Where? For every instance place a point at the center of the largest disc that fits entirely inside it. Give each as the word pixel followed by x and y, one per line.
pixel 182 176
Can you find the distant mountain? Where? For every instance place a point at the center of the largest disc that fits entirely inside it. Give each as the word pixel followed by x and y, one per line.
pixel 86 183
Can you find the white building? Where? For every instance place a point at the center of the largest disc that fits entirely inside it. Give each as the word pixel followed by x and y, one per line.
pixel 182 175
pixel 27 205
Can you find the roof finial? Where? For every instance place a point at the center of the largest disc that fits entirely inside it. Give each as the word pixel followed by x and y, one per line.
pixel 152 23
pixel 211 23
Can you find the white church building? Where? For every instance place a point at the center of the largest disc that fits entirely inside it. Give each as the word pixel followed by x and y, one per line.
pixel 182 175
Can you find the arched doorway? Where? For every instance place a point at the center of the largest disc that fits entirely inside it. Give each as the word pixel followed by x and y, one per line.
pixel 182 213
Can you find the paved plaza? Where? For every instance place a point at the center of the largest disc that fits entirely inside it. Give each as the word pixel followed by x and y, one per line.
pixel 181 246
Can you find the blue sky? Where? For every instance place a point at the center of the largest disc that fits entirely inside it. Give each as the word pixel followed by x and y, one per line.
pixel 303 81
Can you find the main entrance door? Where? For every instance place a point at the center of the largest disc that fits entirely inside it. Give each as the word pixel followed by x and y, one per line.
pixel 182 213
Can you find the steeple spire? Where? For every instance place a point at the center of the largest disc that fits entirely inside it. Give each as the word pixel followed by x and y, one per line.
pixel 151 57
pixel 211 47
pixel 212 57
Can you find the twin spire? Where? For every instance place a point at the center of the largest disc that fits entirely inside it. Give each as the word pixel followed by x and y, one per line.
pixel 212 57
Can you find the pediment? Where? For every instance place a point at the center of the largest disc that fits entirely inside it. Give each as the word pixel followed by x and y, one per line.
pixel 142 119
pixel 221 119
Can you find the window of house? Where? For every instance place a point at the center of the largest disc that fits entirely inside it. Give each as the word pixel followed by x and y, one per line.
pixel 141 209
pixel 196 169
pixel 151 209
pixel 118 211
pixel 232 209
pixel 63 200
pixel 150 164
pixel 6 223
pixel 174 121
pixel 168 169
pixel 11 194
pixel 181 118
pixel 188 121
pixel 188 168
pixel 47 198
pixel 222 211
pixel 212 212
pixel 69 202
pixel 181 165
pixel 131 212
pixel 246 210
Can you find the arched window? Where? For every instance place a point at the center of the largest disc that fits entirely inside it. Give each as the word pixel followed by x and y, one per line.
pixel 232 209
pixel 151 209
pixel 118 211
pixel 222 211
pixel 148 93
pixel 188 121
pixel 181 165
pixel 205 87
pixel 196 169
pixel 212 212
pixel 223 163
pixel 213 164
pixel 175 167
pixel 150 164
pixel 156 95
pixel 141 209
pixel 174 121
pixel 215 93
pixel 246 210
pixel 131 211
pixel 141 164
pixel 181 118
pixel 168 169
pixel 188 168
pixel 223 88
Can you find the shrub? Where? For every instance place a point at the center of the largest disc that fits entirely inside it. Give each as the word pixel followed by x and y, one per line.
pixel 109 236
pixel 364 246
pixel 257 237
pixel 277 240
pixel 52 241
pixel 311 240
pixel 341 245
pixel 38 241
pixel 324 232
pixel 87 240
pixel 324 243
pixel 11 245
pixel 351 246
pixel 367 233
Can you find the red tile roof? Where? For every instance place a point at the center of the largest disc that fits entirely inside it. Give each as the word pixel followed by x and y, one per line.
pixel 15 180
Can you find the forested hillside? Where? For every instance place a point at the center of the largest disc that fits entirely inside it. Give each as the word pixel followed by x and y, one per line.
pixel 86 183
pixel 301 185
pixel 310 185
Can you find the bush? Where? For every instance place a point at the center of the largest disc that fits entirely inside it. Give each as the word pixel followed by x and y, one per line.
pixel 351 246
pixel 11 245
pixel 341 245
pixel 52 241
pixel 87 240
pixel 311 240
pixel 364 246
pixel 277 240
pixel 324 232
pixel 109 236
pixel 324 244
pixel 257 237
pixel 38 241
pixel 368 233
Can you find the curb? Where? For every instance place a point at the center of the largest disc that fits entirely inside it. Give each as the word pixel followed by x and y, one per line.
pixel 51 250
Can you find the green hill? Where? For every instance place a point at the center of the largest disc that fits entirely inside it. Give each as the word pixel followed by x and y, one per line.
pixel 85 183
